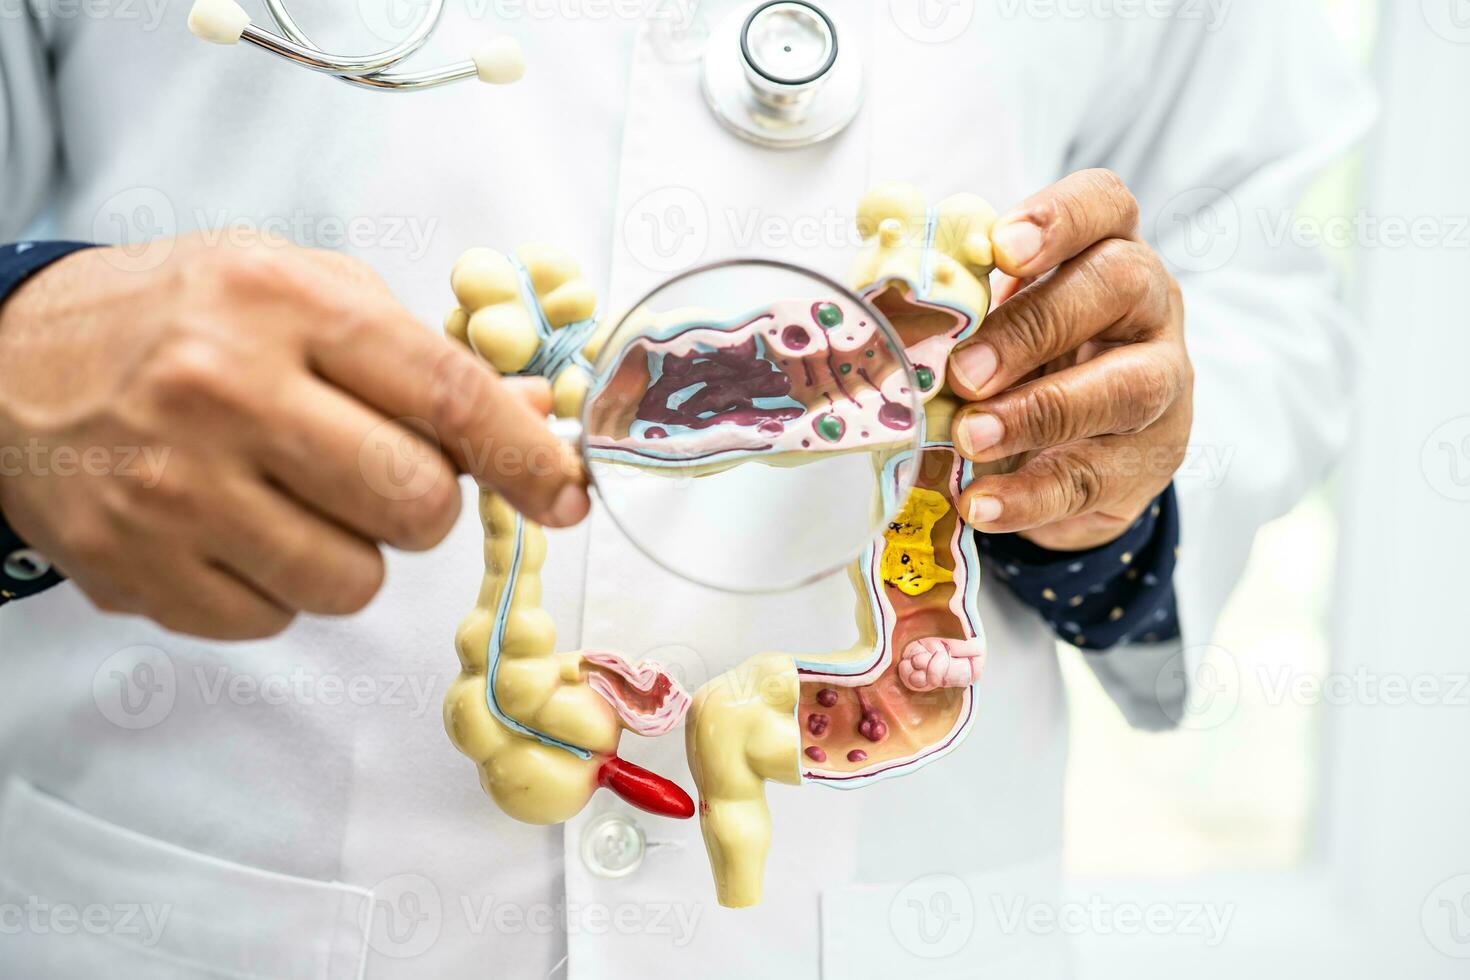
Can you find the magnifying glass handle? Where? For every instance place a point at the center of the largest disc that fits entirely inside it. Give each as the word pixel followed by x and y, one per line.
pixel 567 429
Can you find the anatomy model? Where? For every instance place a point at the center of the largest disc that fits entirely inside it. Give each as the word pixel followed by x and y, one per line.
pixel 793 379
pixel 778 385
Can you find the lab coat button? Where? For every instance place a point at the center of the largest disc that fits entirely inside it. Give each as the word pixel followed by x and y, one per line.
pixel 25 565
pixel 613 846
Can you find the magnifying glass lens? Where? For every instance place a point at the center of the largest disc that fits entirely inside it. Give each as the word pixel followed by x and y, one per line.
pixel 749 425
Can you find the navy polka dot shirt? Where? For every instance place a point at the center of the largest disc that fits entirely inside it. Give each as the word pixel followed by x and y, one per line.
pixel 24 572
pixel 1120 593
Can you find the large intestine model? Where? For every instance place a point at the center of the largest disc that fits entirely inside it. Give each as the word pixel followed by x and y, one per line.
pixel 543 727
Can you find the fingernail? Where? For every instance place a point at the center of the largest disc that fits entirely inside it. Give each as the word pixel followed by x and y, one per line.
pixel 977 433
pixel 985 510
pixel 973 366
pixel 570 506
pixel 1020 242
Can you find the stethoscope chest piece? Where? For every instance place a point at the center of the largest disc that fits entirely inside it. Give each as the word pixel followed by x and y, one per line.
pixel 776 75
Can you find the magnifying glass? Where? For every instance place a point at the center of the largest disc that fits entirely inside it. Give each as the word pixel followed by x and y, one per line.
pixel 751 425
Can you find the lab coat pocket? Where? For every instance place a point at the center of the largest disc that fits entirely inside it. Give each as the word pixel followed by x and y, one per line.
pixel 80 897
pixel 991 924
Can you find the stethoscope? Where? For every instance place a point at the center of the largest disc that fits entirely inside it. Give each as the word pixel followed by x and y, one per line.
pixel 774 73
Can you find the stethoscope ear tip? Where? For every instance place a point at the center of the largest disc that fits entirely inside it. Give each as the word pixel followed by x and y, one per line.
pixel 499 61
pixel 218 21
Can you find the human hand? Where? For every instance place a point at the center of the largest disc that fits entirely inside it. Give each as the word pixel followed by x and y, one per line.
pixel 1081 372
pixel 242 427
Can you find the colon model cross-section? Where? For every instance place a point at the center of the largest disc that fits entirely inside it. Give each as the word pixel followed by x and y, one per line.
pixel 544 727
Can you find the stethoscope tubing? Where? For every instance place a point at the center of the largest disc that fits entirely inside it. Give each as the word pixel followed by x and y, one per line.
pixel 367 71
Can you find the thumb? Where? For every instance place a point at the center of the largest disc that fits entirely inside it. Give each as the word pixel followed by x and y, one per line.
pixel 535 392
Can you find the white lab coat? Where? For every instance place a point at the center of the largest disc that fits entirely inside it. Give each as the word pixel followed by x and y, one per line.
pixel 292 808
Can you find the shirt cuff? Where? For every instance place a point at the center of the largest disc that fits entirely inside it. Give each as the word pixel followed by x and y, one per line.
pixel 23 571
pixel 1120 593
pixel 22 260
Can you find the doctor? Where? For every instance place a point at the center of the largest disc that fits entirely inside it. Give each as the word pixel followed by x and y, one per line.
pixel 176 806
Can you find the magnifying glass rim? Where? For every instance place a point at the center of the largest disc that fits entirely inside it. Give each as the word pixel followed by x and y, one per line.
pixel 907 475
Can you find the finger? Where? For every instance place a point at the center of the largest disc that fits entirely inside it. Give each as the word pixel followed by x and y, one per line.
pixel 534 391
pixel 1003 287
pixel 1123 390
pixel 292 556
pixel 218 605
pixel 194 598
pixel 1061 221
pixel 372 475
pixel 355 275
pixel 1115 290
pixel 1054 485
pixel 482 425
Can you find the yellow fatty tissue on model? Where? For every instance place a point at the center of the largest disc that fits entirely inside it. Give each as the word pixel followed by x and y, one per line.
pixel 908 557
